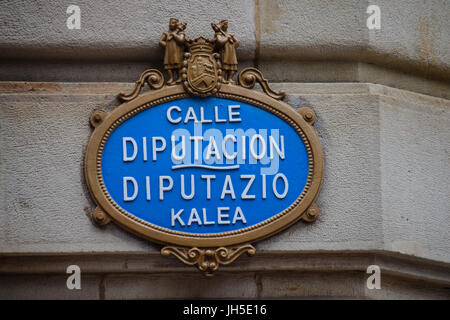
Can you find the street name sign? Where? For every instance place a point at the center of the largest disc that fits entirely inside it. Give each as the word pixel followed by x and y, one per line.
pixel 202 164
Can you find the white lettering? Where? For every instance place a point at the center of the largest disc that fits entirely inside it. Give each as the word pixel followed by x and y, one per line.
pixel 194 217
pixel 127 158
pixel 205 221
pixel 202 116
pixel 162 188
pixel 126 197
pixel 183 194
pixel 221 216
pixel 224 149
pixel 196 140
pixel 144 147
pixel 209 149
pixel 227 188
pixel 156 149
pixel 147 185
pixel 216 116
pixel 239 215
pixel 252 147
pixel 169 115
pixel 244 194
pixel 264 186
pixel 232 114
pixel 183 149
pixel 273 145
pixel 274 186
pixel 208 184
pixel 176 217
pixel 190 115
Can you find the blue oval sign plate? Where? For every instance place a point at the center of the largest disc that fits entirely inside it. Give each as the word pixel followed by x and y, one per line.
pixel 209 171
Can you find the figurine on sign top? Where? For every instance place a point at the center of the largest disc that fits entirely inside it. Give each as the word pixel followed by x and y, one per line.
pixel 173 42
pixel 226 43
pixel 201 65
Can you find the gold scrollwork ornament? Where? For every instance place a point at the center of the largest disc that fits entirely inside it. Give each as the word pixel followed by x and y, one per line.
pixel 208 260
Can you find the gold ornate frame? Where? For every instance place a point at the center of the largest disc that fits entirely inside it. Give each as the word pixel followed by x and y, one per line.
pixel 207 251
pixel 297 119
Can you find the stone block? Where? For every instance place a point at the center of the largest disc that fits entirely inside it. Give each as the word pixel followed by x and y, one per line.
pixel 180 286
pixel 114 30
pixel 47 287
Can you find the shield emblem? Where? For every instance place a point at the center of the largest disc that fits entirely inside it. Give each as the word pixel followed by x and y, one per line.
pixel 202 72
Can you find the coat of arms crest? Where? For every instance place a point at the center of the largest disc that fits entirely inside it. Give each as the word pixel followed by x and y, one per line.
pixel 201 72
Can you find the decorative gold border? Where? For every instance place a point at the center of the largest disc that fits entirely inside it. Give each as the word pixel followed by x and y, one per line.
pixel 253 233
